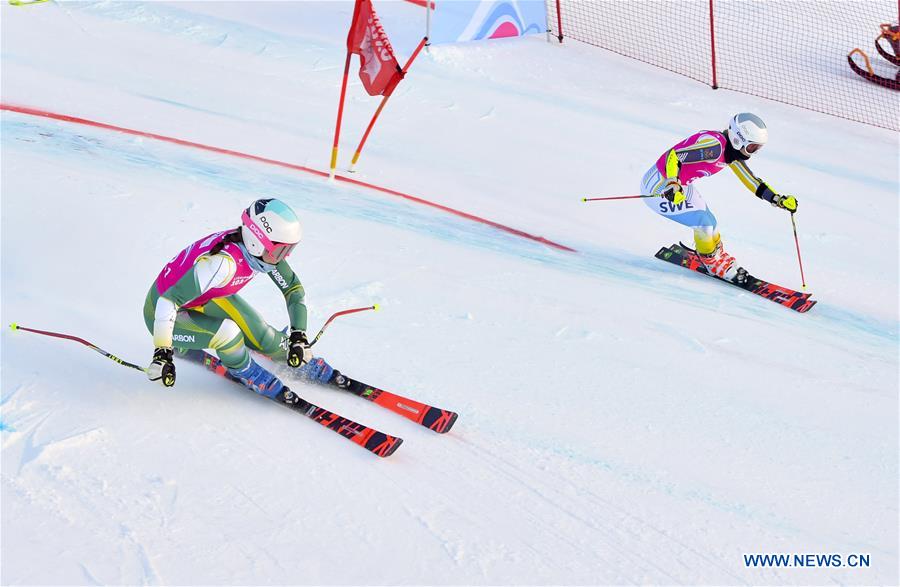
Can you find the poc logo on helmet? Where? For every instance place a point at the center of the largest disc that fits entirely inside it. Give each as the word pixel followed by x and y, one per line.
pixel 265 224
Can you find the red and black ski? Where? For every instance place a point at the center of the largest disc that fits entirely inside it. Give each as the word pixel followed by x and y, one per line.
pixel 789 298
pixel 379 443
pixel 436 419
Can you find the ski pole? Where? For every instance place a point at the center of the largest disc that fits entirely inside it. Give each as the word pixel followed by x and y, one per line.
pixel 621 197
pixel 341 313
pixel 112 357
pixel 799 259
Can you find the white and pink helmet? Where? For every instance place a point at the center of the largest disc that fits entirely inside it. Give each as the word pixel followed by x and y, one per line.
pixel 747 133
pixel 270 230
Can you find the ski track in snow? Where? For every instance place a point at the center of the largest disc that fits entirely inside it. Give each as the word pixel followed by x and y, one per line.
pixel 108 149
pixel 100 150
pixel 540 501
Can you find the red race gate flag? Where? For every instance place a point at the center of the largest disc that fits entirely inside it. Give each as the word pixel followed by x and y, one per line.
pixel 379 70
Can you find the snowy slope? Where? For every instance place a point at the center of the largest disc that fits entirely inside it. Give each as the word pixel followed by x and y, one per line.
pixel 621 421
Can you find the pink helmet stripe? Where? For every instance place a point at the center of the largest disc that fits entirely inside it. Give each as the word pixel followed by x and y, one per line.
pixel 257 231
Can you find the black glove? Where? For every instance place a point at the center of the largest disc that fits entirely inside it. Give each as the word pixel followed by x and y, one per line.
pixel 299 352
pixel 788 203
pixel 162 368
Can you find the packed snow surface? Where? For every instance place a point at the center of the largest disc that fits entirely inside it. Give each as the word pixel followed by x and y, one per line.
pixel 621 420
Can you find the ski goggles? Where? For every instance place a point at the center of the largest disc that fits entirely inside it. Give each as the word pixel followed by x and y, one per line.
pixel 274 252
pixel 279 253
pixel 753 147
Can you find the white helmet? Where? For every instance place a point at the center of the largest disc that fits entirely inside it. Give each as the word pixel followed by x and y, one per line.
pixel 747 133
pixel 270 230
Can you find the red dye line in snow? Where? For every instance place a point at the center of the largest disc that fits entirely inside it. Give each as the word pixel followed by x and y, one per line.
pixel 356 182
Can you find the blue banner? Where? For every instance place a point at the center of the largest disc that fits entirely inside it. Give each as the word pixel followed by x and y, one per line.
pixel 457 21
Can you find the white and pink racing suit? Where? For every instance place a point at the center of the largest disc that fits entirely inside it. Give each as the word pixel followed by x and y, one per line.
pixel 702 154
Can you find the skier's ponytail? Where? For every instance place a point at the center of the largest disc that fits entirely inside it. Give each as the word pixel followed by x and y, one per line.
pixel 232 237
